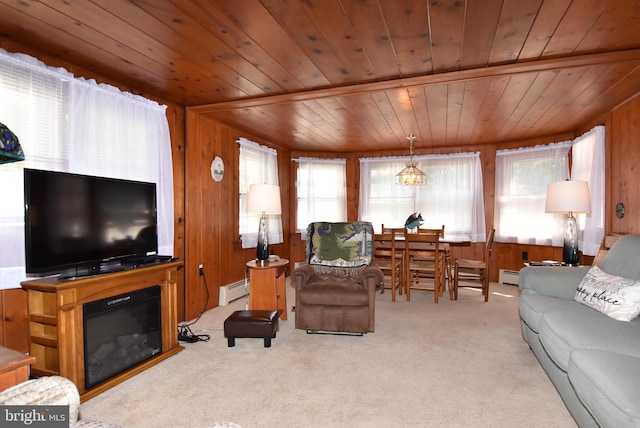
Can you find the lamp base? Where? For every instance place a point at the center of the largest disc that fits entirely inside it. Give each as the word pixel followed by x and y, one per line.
pixel 570 255
pixel 262 251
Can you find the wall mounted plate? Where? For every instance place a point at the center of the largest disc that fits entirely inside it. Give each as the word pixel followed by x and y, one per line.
pixel 217 169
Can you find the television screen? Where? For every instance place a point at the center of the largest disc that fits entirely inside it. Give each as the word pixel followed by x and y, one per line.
pixel 78 221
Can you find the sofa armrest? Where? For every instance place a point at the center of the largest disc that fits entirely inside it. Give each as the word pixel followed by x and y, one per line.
pixel 556 281
pixel 48 390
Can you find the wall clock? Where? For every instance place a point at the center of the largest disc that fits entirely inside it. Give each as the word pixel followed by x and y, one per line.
pixel 217 169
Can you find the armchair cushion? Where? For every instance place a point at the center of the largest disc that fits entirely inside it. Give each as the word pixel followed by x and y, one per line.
pixel 339 249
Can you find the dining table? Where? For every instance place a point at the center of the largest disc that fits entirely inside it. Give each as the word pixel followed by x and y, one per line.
pixel 446 242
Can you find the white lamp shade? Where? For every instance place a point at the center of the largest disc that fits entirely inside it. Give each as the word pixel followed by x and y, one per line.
pixel 568 196
pixel 264 198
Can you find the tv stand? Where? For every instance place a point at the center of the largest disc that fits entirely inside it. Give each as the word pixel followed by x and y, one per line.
pixel 56 327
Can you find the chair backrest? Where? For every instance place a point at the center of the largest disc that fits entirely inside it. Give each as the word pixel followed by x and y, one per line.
pixel 398 231
pixel 341 248
pixel 489 245
pixel 384 245
pixel 426 243
pixel 423 230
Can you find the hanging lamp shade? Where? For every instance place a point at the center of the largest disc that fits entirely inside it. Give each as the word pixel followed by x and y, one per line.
pixel 411 175
pixel 10 149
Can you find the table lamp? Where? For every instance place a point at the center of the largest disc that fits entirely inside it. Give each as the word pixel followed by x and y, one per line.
pixel 569 197
pixel 264 198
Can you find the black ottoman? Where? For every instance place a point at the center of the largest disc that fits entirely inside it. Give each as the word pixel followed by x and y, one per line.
pixel 258 324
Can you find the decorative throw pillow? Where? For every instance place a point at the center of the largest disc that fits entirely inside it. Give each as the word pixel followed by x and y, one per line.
pixel 614 296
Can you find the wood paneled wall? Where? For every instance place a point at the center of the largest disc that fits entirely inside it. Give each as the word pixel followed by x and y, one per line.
pixel 623 164
pixel 212 212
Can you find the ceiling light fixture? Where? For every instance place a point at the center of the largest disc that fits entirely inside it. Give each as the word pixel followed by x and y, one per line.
pixel 411 175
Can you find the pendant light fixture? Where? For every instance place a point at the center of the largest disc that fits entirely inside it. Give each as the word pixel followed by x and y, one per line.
pixel 411 175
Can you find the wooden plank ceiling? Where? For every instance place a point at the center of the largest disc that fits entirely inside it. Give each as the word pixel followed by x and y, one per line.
pixel 355 75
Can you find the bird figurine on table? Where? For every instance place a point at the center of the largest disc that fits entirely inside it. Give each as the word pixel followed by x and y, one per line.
pixel 414 221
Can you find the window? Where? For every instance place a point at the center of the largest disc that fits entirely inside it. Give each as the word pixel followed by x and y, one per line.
pixel 258 164
pixel 73 125
pixel 320 191
pixel 452 197
pixel 522 176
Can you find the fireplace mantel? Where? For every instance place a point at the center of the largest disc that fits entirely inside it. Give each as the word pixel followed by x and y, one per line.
pixel 56 326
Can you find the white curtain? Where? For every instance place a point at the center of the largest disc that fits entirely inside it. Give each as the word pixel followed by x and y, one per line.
pixel 522 176
pixel 321 191
pixel 588 164
pixel 73 125
pixel 258 165
pixel 129 138
pixel 382 201
pixel 453 195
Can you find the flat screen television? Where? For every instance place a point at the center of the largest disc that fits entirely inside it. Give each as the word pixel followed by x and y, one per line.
pixel 82 225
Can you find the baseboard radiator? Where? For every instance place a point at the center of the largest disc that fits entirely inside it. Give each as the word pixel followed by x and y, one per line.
pixel 233 291
pixel 508 277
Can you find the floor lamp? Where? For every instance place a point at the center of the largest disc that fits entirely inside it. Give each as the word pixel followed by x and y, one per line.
pixel 569 197
pixel 264 198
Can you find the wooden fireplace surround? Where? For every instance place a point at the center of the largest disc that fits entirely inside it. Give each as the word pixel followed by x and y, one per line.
pixel 56 326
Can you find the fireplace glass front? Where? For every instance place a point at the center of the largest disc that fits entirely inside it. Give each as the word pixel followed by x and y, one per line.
pixel 120 332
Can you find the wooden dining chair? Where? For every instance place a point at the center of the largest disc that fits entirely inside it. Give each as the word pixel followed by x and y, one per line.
pixel 389 260
pixel 470 273
pixel 398 233
pixel 423 262
pixel 446 260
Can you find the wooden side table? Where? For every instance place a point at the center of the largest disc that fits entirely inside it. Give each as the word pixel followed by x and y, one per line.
pixel 268 289
pixel 14 367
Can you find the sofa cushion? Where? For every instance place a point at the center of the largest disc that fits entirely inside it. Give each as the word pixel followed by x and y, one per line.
pixel 608 384
pixel 532 306
pixel 614 296
pixel 580 327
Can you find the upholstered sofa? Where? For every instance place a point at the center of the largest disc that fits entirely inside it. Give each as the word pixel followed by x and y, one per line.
pixel 335 289
pixel 50 390
pixel 574 320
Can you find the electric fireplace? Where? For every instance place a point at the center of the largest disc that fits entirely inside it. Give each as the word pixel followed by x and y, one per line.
pixel 120 332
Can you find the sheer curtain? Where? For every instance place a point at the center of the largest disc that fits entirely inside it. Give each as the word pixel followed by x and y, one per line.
pixel 453 195
pixel 71 125
pixel 382 201
pixel 522 176
pixel 258 164
pixel 321 191
pixel 129 138
pixel 588 164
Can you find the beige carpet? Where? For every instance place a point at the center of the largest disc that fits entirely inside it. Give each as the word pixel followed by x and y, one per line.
pixel 455 364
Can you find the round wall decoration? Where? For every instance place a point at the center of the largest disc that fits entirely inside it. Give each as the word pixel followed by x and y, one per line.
pixel 217 169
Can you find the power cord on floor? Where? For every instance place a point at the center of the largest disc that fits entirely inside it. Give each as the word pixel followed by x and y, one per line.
pixel 184 330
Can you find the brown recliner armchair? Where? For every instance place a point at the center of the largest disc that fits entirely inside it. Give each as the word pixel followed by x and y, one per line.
pixel 335 290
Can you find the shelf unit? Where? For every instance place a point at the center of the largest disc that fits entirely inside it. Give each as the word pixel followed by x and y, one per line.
pixel 56 328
